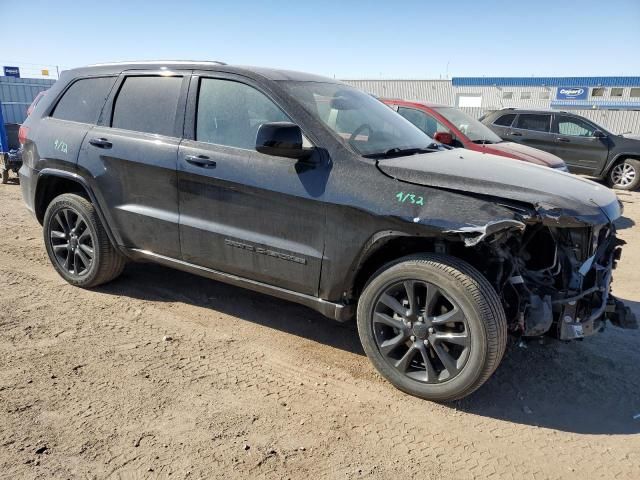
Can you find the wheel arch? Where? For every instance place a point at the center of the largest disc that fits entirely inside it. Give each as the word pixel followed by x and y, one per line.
pixel 385 247
pixel 620 157
pixel 53 182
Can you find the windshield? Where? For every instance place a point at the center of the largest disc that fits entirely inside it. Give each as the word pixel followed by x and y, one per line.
pixel 469 126
pixel 364 122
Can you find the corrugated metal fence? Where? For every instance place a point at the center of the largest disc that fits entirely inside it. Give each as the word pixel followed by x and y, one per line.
pixel 16 94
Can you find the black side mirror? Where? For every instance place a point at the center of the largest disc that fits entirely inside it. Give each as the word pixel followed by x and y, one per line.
pixel 599 134
pixel 281 139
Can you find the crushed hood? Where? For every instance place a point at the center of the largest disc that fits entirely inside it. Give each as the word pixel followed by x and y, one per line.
pixel 559 198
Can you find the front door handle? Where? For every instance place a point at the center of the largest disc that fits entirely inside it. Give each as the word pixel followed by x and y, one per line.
pixel 561 139
pixel 101 143
pixel 516 134
pixel 200 161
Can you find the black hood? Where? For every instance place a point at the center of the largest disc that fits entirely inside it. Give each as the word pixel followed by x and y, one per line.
pixel 559 198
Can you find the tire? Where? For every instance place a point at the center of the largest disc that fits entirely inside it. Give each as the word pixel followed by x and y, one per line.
pixel 625 175
pixel 77 243
pixel 464 319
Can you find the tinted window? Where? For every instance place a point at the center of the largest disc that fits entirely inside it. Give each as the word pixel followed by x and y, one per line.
pixel 423 121
pixel 617 92
pixel 635 92
pixel 505 120
pixel 575 127
pixel 507 94
pixel 538 123
pixel 147 104
pixel 83 100
pixel 598 92
pixel 230 113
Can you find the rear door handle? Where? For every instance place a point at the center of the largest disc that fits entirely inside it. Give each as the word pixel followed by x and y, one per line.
pixel 200 161
pixel 101 143
pixel 561 139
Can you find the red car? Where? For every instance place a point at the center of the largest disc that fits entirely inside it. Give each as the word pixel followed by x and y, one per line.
pixel 451 126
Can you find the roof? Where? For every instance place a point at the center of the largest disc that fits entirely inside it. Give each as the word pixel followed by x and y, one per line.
pixel 269 73
pixel 527 110
pixel 545 81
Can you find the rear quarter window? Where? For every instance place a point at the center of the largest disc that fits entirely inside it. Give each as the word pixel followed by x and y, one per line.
pixel 505 120
pixel 83 100
pixel 147 104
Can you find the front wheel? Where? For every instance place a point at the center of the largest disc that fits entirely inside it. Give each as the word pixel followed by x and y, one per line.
pixel 433 326
pixel 625 175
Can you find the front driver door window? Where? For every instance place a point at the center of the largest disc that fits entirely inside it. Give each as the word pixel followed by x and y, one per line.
pixel 577 145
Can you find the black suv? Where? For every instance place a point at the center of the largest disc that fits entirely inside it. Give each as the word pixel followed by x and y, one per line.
pixel 305 188
pixel 584 146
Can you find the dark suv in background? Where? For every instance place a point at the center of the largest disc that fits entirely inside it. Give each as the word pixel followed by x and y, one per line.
pixel 308 189
pixel 585 147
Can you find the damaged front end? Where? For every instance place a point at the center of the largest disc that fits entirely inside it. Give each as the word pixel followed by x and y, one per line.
pixel 553 279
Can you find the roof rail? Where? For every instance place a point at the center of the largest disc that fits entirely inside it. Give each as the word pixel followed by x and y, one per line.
pixel 151 62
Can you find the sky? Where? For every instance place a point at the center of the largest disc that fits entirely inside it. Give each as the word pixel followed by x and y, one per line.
pixel 347 39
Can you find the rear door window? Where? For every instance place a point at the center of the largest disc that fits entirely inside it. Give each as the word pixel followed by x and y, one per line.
pixel 505 120
pixel 84 99
pixel 147 104
pixel 535 122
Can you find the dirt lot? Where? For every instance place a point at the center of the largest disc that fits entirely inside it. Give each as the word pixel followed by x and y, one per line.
pixel 166 375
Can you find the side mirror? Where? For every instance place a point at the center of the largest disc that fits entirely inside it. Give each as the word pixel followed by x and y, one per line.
pixel 599 134
pixel 281 139
pixel 443 137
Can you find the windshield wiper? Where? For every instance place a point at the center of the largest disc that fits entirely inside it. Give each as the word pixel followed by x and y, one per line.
pixel 403 152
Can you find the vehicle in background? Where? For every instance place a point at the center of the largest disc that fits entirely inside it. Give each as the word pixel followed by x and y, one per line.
pixel 451 126
pixel 310 190
pixel 11 157
pixel 586 147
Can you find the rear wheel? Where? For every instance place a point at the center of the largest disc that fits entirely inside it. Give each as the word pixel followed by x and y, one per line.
pixel 625 175
pixel 433 326
pixel 77 243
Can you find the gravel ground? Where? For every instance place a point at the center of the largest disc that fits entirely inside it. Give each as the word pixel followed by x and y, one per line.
pixel 162 374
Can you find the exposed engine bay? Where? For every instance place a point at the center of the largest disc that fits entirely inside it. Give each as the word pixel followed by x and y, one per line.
pixel 555 280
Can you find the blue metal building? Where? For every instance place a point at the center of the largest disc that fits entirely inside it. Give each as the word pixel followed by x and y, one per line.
pixel 16 94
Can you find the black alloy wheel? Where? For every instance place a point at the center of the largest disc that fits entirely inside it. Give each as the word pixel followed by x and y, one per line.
pixel 77 243
pixel 421 331
pixel 432 325
pixel 72 242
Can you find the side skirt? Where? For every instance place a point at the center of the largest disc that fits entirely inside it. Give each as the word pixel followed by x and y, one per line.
pixel 336 311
